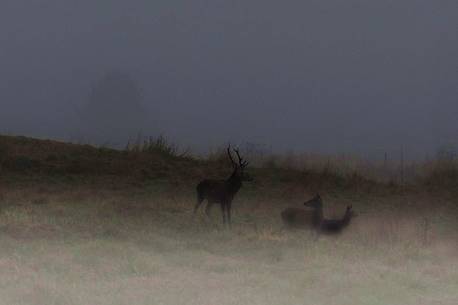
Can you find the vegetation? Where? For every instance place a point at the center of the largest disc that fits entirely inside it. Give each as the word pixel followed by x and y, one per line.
pixel 87 225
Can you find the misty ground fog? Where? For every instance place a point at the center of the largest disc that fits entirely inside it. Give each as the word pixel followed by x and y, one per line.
pixel 364 77
pixel 342 97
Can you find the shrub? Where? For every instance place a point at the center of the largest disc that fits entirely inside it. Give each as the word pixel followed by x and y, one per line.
pixel 159 145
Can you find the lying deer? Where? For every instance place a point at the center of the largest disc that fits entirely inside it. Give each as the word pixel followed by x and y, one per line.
pixel 223 191
pixel 301 218
pixel 337 225
pixel 314 219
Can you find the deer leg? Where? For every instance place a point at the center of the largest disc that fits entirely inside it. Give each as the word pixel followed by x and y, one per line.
pixel 208 208
pixel 196 207
pixel 223 208
pixel 228 208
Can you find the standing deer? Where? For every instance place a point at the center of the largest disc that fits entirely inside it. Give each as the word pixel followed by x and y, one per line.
pixel 223 191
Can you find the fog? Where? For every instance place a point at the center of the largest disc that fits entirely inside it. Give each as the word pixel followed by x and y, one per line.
pixel 355 76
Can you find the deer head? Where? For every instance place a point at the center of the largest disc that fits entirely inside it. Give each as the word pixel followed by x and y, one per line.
pixel 350 212
pixel 315 202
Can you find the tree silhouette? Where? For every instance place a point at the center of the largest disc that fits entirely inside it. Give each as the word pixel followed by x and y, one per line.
pixel 114 112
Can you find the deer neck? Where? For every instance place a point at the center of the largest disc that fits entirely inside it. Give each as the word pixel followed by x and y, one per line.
pixel 346 219
pixel 234 182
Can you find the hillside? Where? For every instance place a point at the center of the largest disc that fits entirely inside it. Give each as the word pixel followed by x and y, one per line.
pixel 156 160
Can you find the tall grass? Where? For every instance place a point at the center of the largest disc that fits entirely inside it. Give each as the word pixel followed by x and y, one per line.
pixel 156 145
pixel 440 174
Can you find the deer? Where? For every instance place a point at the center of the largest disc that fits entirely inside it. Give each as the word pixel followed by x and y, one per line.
pixel 302 218
pixel 324 225
pixel 314 219
pixel 223 191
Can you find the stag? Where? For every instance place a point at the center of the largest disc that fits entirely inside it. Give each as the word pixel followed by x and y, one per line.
pixel 223 191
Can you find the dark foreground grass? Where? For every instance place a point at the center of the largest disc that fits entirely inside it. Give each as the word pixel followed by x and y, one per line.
pixel 115 242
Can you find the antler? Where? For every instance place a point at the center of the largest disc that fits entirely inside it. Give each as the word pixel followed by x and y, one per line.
pixel 242 163
pixel 230 155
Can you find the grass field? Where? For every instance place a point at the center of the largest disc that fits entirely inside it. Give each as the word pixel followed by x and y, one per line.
pixel 105 239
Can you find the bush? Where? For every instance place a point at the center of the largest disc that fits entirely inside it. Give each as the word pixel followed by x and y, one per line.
pixel 159 145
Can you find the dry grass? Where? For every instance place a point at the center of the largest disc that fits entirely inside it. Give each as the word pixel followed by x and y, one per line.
pixel 77 243
pixel 86 225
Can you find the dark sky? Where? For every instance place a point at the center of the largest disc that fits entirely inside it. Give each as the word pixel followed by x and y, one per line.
pixel 362 76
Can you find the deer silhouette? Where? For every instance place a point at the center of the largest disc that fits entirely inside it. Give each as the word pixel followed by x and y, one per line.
pixel 302 218
pixel 330 226
pixel 314 219
pixel 337 225
pixel 223 191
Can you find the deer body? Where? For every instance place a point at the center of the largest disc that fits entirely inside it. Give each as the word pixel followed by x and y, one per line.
pixel 336 225
pixel 304 218
pixel 222 191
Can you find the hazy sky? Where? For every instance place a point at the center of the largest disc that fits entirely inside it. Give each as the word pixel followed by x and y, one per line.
pixel 319 75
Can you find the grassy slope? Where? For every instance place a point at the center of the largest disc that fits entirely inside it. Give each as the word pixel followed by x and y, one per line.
pixel 123 233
